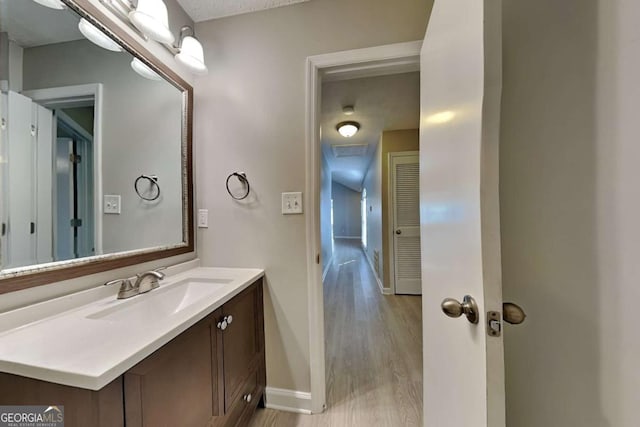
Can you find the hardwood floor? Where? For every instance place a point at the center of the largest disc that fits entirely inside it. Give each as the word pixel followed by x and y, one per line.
pixel 373 352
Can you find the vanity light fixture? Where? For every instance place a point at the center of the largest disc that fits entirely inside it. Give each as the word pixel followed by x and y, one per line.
pixel 348 129
pixel 151 17
pixel 190 52
pixel 94 35
pixel 53 4
pixel 144 70
pixel 150 20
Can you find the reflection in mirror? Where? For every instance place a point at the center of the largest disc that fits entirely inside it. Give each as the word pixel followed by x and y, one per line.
pixel 82 119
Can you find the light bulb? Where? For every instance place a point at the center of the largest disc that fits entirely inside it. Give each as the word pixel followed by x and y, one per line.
pixel 94 35
pixel 144 70
pixel 151 17
pixel 191 55
pixel 53 4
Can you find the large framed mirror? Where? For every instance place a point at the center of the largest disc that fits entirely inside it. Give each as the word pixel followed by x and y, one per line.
pixel 95 146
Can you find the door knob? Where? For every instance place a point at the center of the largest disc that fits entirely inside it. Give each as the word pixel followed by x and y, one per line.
pixel 398 231
pixel 513 313
pixel 468 307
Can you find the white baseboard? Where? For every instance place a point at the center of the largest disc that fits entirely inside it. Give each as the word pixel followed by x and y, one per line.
pixel 348 237
pixel 288 400
pixel 326 269
pixel 383 290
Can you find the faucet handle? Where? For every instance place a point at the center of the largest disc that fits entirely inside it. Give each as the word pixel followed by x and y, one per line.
pixel 114 282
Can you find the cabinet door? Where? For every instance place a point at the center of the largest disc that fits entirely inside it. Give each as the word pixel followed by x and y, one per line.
pixel 242 341
pixel 176 384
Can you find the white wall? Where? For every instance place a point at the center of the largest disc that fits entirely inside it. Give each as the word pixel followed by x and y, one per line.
pixel 347 220
pixel 569 208
pixel 326 235
pixel 373 184
pixel 141 134
pixel 250 117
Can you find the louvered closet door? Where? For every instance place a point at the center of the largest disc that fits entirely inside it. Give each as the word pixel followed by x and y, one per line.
pixel 405 171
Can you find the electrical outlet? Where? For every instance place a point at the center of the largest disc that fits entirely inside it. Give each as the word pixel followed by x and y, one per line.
pixel 291 203
pixel 112 204
pixel 203 218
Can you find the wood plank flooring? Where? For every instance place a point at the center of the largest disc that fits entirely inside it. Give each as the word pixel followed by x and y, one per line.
pixel 373 352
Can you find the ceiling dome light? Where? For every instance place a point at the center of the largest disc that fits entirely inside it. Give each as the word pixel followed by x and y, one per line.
pixel 151 17
pixel 348 129
pixel 53 4
pixel 94 35
pixel 144 70
pixel 191 55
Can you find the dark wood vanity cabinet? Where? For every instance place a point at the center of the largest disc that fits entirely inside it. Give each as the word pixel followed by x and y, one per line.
pixel 212 374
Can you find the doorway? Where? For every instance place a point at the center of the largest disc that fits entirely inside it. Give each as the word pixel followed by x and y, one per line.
pixel 74 202
pixel 77 219
pixel 379 61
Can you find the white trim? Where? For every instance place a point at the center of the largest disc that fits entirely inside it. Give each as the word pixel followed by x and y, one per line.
pixel 383 290
pixel 390 211
pixel 327 268
pixel 388 59
pixel 281 399
pixel 348 237
pixel 56 96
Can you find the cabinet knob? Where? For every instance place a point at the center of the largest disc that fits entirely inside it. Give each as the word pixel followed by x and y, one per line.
pixel 222 325
pixel 247 397
pixel 229 319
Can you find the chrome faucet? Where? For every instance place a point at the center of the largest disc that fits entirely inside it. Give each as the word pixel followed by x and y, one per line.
pixel 128 290
pixel 143 285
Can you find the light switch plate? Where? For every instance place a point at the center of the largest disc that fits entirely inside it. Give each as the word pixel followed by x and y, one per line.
pixel 291 203
pixel 203 218
pixel 112 204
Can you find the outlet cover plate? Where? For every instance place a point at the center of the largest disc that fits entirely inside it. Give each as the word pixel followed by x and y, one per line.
pixel 292 203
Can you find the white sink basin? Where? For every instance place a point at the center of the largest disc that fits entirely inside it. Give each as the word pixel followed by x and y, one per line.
pixel 162 302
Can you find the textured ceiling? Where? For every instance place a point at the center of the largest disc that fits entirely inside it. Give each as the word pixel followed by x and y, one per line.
pixel 203 10
pixel 381 103
pixel 30 24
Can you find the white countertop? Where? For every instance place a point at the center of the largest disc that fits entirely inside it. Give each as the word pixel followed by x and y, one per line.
pixel 90 338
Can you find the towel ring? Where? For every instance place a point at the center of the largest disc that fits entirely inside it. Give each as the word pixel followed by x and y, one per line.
pixel 242 177
pixel 153 181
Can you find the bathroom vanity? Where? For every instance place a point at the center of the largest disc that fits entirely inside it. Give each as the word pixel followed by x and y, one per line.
pixel 190 353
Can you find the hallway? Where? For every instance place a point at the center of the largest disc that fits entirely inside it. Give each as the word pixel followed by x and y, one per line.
pixel 373 351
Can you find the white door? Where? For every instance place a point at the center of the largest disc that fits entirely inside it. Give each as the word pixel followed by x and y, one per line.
pixel 21 219
pixel 459 130
pixel 405 205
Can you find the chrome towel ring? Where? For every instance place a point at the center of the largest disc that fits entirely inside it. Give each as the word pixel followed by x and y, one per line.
pixel 153 182
pixel 242 177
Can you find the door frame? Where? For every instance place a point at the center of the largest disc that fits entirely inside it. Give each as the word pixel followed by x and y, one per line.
pixel 391 213
pixel 56 97
pixel 358 63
